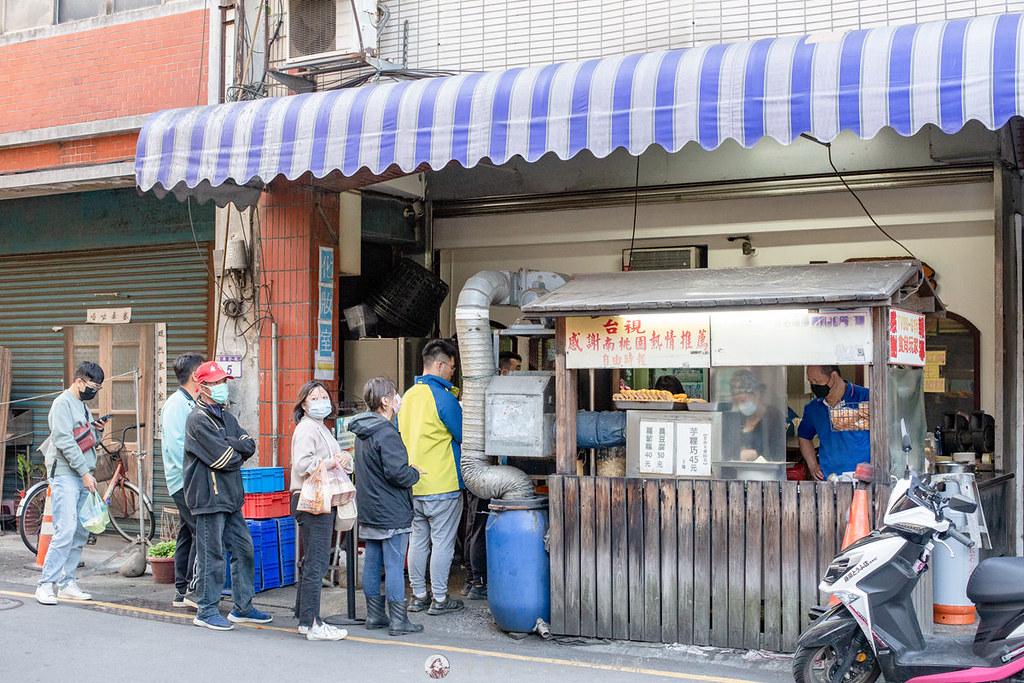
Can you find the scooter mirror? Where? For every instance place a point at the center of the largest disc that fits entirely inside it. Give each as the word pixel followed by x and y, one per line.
pixel 959 503
pixel 905 435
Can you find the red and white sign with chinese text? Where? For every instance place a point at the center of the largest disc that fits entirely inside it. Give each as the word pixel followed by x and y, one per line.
pixel 906 338
pixel 643 341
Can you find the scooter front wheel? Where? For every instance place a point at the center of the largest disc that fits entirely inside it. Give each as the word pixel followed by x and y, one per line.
pixel 848 660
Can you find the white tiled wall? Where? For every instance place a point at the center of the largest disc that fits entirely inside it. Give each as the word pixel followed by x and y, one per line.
pixel 477 35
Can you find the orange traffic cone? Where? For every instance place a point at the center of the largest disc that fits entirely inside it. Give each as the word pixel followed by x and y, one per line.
pixel 45 530
pixel 858 526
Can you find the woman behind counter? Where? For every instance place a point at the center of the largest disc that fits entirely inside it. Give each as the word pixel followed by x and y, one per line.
pixel 384 481
pixel 758 428
pixel 313 443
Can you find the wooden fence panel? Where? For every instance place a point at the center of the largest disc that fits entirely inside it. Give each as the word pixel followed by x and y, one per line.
pixel 685 565
pixel 588 562
pixel 571 498
pixel 752 606
pixel 620 560
pixel 737 552
pixel 790 569
pixel 603 556
pixel 556 553
pixel 652 561
pixel 635 543
pixel 771 566
pixel 724 563
pixel 807 495
pixel 669 563
pixel 719 564
pixel 701 563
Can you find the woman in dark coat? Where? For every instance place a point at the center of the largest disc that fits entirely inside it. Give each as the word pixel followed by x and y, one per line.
pixel 384 482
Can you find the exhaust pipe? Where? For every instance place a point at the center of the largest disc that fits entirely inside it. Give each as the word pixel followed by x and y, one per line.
pixel 472 320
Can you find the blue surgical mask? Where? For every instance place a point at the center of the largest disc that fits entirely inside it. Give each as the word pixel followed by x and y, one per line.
pixel 219 393
pixel 748 408
pixel 319 409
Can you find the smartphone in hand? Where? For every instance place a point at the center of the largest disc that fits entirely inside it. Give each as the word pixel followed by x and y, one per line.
pixel 99 421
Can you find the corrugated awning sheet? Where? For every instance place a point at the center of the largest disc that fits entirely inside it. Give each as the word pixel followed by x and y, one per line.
pixel 839 285
pixel 942 73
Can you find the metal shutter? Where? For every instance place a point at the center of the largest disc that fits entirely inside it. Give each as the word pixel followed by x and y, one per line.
pixel 40 292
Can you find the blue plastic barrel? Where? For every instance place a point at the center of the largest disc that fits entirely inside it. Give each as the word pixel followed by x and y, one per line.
pixel 518 573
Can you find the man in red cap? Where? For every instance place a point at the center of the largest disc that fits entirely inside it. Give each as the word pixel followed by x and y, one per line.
pixel 215 448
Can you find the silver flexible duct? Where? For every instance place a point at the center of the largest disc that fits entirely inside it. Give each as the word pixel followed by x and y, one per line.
pixel 472 320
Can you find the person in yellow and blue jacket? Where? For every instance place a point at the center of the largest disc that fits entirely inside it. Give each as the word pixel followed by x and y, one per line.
pixel 430 421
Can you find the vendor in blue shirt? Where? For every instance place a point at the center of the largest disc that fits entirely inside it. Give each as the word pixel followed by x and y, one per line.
pixel 838 451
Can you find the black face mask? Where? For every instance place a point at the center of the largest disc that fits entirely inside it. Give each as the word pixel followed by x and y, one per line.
pixel 88 393
pixel 820 390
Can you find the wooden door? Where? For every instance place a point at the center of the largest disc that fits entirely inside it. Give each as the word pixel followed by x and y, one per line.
pixel 119 350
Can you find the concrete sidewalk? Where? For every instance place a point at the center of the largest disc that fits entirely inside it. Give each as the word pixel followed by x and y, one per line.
pixel 471 628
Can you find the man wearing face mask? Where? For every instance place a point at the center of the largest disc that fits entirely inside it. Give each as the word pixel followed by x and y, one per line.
pixel 215 448
pixel 70 461
pixel 838 451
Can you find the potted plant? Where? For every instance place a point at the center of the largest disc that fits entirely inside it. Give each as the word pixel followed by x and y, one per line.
pixel 161 560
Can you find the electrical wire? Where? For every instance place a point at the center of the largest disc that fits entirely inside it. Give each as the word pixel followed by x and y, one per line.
pixel 828 148
pixel 202 52
pixel 195 240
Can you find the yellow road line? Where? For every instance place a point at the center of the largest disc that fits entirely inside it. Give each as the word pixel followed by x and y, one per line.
pixel 424 646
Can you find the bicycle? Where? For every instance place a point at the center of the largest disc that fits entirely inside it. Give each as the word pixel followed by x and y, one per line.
pixel 121 495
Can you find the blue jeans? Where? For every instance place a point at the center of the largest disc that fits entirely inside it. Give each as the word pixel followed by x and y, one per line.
pixel 388 554
pixel 67 495
pixel 214 532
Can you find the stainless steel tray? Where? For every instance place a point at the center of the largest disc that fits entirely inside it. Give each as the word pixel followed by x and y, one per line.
pixel 702 407
pixel 650 405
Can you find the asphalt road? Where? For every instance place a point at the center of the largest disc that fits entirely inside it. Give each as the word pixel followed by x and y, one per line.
pixel 107 641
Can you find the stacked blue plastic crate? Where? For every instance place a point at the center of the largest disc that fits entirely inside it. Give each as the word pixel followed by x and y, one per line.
pixel 286 549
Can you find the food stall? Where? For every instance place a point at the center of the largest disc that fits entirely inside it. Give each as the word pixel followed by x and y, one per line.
pixel 695 544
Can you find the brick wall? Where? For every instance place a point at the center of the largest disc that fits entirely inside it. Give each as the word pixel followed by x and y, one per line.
pixel 292 231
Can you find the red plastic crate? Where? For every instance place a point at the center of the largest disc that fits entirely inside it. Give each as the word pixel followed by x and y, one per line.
pixel 267 505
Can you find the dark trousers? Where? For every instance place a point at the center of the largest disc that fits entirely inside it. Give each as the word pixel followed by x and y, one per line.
pixel 185 547
pixel 216 532
pixel 476 539
pixel 315 535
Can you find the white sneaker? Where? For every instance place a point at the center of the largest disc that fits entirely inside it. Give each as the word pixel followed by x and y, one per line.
pixel 45 595
pixel 71 591
pixel 303 630
pixel 325 632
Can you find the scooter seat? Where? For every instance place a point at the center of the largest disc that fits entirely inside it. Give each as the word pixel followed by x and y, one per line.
pixel 996 580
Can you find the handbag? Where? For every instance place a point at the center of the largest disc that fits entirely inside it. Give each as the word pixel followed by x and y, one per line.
pixel 84 436
pixel 346 517
pixel 314 497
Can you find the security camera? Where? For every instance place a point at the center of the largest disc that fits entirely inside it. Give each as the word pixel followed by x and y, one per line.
pixel 748 248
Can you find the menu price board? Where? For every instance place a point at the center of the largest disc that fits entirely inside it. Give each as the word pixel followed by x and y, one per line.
pixel 906 338
pixel 695 454
pixel 657 446
pixel 664 340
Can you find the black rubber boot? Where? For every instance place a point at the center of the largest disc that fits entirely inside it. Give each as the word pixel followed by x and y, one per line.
pixel 400 624
pixel 375 616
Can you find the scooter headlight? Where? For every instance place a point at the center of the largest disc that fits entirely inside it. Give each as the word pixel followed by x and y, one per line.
pixel 845 597
pixel 836 569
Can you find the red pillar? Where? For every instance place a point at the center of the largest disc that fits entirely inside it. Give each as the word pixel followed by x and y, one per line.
pixel 293 226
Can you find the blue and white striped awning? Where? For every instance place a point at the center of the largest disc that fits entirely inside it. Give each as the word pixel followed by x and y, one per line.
pixel 941 73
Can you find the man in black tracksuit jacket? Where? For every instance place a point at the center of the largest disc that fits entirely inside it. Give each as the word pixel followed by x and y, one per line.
pixel 215 448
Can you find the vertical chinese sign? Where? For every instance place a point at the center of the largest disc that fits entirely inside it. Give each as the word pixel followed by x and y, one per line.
pixel 906 338
pixel 324 369
pixel 648 341
pixel 657 446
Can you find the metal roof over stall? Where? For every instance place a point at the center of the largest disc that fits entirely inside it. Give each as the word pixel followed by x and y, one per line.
pixel 940 73
pixel 828 285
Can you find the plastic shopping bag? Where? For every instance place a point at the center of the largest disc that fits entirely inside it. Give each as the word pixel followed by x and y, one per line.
pixel 315 497
pixel 341 487
pixel 94 515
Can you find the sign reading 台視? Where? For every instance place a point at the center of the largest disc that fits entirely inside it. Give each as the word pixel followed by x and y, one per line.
pixel 642 341
pixel 906 338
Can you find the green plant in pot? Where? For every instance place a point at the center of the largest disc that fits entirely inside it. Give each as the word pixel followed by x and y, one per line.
pixel 161 560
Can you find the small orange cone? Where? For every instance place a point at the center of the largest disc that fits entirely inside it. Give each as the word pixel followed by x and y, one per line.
pixel 858 526
pixel 45 530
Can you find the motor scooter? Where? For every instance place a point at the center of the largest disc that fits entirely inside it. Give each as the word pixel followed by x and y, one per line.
pixel 874 628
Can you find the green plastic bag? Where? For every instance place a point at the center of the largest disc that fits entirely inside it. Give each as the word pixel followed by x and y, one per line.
pixel 94 516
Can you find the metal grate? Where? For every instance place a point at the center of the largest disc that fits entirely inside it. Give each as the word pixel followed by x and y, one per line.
pixel 661 258
pixel 311 27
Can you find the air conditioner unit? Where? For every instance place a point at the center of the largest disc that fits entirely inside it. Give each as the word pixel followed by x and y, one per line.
pixel 321 30
pixel 664 258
